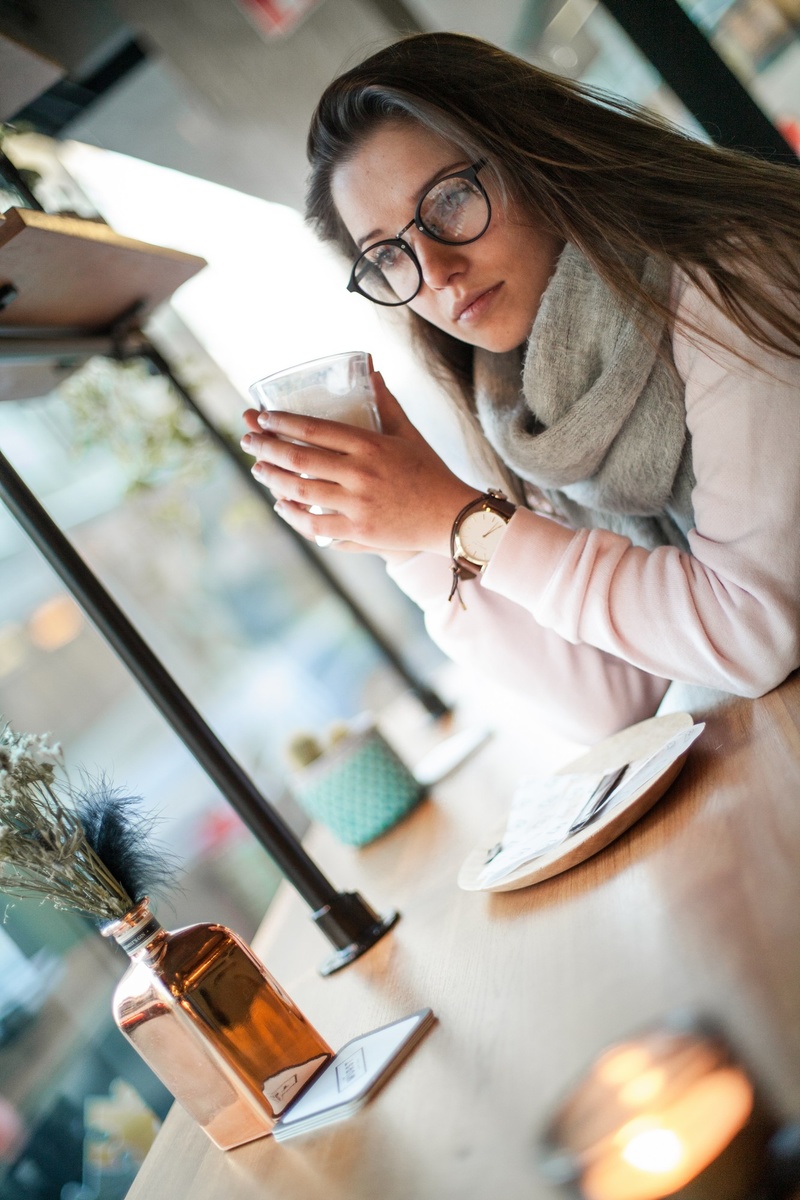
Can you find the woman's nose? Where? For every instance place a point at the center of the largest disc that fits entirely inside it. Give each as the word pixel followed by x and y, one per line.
pixel 439 263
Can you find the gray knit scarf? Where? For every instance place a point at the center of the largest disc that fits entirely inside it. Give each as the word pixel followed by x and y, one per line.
pixel 599 424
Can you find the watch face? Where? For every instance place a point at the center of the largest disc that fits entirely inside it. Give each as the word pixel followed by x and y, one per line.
pixel 479 534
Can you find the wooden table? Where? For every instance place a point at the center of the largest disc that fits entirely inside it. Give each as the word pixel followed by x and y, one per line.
pixel 697 905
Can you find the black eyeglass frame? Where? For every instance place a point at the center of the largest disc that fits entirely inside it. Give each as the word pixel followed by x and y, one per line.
pixel 470 173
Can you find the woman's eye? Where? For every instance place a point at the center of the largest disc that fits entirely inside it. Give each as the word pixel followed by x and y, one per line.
pixel 383 258
pixel 444 207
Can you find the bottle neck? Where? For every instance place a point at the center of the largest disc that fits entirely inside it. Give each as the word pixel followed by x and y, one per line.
pixel 139 933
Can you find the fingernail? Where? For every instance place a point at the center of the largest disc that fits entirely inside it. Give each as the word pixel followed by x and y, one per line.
pixel 278 507
pixel 263 420
pixel 246 441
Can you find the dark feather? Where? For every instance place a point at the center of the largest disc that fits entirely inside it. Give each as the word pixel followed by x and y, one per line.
pixel 120 834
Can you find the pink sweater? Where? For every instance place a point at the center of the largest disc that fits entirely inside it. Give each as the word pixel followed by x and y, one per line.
pixel 594 628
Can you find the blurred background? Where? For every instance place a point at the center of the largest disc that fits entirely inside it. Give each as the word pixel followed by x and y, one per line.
pixel 182 123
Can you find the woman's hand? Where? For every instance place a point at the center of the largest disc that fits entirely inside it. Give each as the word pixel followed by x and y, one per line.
pixel 388 491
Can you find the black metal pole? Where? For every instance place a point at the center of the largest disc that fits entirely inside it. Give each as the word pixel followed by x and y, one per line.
pixel 345 918
pixel 434 703
pixel 669 38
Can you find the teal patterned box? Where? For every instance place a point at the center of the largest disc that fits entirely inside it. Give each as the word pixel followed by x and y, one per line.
pixel 358 788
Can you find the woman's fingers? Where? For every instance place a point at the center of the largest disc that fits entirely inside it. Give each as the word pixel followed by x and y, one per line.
pixel 329 525
pixel 393 418
pixel 302 460
pixel 335 435
pixel 388 491
pixel 250 417
pixel 329 435
pixel 286 485
pixel 352 547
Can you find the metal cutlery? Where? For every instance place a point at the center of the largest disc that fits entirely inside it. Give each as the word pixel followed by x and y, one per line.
pixel 597 801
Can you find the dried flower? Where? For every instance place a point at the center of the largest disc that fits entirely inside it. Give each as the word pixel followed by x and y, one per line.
pixel 84 849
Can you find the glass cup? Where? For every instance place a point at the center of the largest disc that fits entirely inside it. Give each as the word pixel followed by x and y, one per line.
pixel 336 388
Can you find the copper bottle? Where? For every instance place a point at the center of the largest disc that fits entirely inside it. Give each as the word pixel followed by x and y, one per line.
pixel 213 1024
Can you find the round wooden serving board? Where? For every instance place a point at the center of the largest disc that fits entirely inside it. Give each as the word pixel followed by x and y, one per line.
pixel 629 745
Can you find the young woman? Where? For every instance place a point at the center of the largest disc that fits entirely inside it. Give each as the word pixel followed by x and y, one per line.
pixel 615 308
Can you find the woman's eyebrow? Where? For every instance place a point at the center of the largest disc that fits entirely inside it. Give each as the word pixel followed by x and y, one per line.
pixel 441 173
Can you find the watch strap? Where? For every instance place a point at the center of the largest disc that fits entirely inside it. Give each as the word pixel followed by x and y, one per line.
pixel 500 503
pixel 461 567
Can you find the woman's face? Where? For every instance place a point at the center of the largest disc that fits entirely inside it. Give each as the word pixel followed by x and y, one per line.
pixel 485 293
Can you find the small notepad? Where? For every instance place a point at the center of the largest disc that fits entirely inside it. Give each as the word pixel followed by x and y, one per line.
pixel 542 810
pixel 354 1075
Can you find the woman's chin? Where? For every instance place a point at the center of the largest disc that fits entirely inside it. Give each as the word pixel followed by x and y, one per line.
pixel 497 341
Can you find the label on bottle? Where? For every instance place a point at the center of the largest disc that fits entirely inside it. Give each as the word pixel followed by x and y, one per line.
pixel 281 1088
pixel 139 935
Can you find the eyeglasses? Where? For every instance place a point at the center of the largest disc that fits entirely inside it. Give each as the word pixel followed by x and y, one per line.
pixel 454 210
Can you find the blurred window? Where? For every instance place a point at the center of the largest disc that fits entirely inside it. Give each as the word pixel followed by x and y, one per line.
pixel 252 634
pixel 579 39
pixel 760 42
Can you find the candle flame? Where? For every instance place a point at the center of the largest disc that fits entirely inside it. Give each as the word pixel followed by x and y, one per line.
pixel 654 1151
pixel 662 1149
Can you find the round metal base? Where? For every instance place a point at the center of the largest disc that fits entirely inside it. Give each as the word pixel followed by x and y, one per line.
pixel 343 958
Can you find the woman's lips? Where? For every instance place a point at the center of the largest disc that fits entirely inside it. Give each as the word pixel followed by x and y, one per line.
pixel 476 308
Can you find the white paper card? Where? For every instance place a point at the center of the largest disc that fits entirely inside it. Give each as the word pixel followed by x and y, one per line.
pixel 542 810
pixel 353 1075
pixel 640 773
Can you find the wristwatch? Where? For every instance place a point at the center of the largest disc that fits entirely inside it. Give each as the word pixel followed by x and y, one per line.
pixel 477 530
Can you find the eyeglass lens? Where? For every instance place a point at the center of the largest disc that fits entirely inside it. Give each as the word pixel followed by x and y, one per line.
pixel 455 210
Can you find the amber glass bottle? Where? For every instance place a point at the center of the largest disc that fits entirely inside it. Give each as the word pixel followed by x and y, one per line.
pixel 212 1023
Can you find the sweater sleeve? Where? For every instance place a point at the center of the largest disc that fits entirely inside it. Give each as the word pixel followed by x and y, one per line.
pixel 725 615
pixel 582 692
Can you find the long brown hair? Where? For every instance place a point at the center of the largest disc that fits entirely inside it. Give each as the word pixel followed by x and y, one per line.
pixel 594 169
